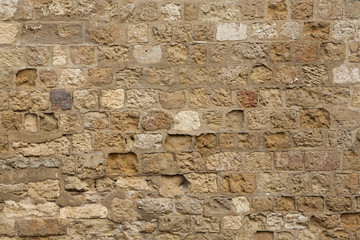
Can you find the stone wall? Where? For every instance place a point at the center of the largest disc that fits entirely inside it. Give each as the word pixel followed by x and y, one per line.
pixel 179 119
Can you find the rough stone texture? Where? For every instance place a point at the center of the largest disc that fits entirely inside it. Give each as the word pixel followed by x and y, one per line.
pixel 184 120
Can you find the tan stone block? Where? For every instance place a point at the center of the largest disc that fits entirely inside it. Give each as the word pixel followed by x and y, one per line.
pixel 82 143
pixel 231 31
pixel 31 123
pixel 113 55
pixel 258 161
pixel 187 121
pixel 238 183
pixel 277 10
pixel 162 32
pixel 350 220
pixel 331 9
pixel 48 33
pixel 137 33
pixel 220 11
pixel 8 33
pixel 183 33
pixel 254 9
pixel 236 76
pixel 85 100
pixel 19 100
pixel 263 204
pixel 148 141
pixel 333 52
pixel 177 54
pixel 112 99
pixel 288 160
pixel 261 74
pixel 48 122
pixel 272 182
pixel 338 203
pixel 310 204
pixel 161 163
pixel 305 51
pixel 100 76
pixel 205 142
pixel 110 141
pixel 202 183
pixel 7 228
pixel 125 121
pixel 91 165
pixel 263 236
pixel 315 118
pixel 42 227
pixel 262 31
pixel 139 98
pixel 86 211
pixel 122 164
pixel 172 100
pixel 72 78
pixel 104 33
pixel 26 209
pixel 96 120
pixel 70 122
pixel 285 204
pixel 178 143
pixel 156 120
pixel 147 54
pixel 189 162
pixel 322 161
pixel 191 76
pixel 49 190
pixel 11 121
pixel 39 100
pixel 82 55
pixel 277 140
pixel 302 97
pixel 301 9
pixel 224 161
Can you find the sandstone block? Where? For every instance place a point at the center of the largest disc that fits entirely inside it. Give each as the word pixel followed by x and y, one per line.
pixel 42 227
pixel 202 183
pixel 187 121
pixel 122 164
pixel 85 211
pixel 231 31
pixel 112 99
pixel 8 33
pixel 147 54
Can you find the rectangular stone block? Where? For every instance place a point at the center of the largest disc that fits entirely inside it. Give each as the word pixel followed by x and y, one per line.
pixel 44 33
pixel 42 227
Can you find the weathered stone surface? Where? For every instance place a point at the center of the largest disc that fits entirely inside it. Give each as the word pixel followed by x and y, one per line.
pixel 112 99
pixel 141 98
pixel 156 120
pixel 147 54
pixel 85 211
pixel 187 121
pixel 231 32
pixel 238 183
pixel 8 32
pixel 86 100
pixel 42 227
pixel 225 161
pixel 119 164
pixel 26 209
pixel 7 228
pixel 194 120
pixel 158 163
pixel 48 189
pixel 147 141
pixel 202 183
pixel 100 76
